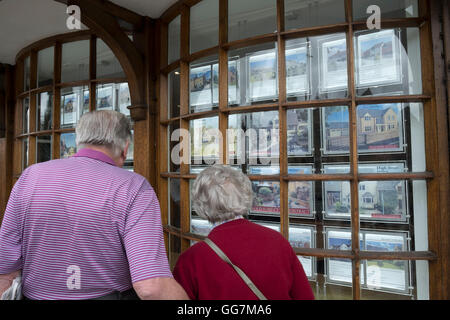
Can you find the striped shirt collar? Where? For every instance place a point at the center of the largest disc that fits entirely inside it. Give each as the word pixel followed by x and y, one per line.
pixel 94 154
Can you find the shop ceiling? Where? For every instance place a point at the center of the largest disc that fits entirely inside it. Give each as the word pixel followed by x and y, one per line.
pixel 23 22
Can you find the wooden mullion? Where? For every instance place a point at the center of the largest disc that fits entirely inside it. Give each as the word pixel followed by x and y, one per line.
pixel 237 44
pixel 356 285
pixel 435 238
pixel 184 124
pixel 223 80
pixel 314 31
pixel 282 123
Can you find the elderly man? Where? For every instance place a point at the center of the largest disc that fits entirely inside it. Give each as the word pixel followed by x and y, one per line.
pixel 83 228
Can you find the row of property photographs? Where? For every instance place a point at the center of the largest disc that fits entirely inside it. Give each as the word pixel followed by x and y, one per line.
pixel 68 147
pixel 393 276
pixel 378 63
pixel 384 201
pixel 380 129
pixel 75 102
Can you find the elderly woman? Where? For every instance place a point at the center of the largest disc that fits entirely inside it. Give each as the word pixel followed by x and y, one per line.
pixel 223 195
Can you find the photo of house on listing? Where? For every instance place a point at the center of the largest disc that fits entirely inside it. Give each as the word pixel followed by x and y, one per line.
pixel 379 128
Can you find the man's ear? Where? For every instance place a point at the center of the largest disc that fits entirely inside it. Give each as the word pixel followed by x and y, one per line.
pixel 125 150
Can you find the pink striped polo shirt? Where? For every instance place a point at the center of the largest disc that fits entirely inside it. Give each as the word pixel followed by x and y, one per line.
pixel 82 228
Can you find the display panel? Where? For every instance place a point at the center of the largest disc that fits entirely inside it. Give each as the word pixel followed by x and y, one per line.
pixel 378 200
pixel 74 103
pixel 104 97
pixel 68 146
pixel 378 275
pixel 299 132
pixel 254 72
pixel 253 138
pixel 303 237
pixel 297 69
pixel 333 63
pixel 335 130
pixel 205 140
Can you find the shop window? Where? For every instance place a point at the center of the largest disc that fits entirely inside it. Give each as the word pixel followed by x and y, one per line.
pixel 108 65
pixel 174 30
pixel 75 61
pixel 204 25
pixel 45 62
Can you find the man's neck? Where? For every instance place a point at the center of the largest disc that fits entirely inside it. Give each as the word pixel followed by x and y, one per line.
pixel 105 151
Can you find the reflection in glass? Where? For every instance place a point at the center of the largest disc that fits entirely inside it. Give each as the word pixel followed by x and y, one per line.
pixel 174 93
pixel 74 103
pixel 44 110
pixel 387 62
pixel 26 74
pixel 75 61
pixel 25 115
pixel 173 40
pixel 247 19
pixel 45 67
pixel 389 9
pixel 68 146
pixel 253 138
pixel 205 140
pixel 24 153
pixel 204 25
pixel 43 148
pixel 254 72
pixel 108 66
pixel 305 14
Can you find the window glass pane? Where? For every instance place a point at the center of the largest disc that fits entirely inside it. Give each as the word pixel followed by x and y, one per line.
pixel 303 236
pixel 253 138
pixel 392 131
pixel 205 140
pixel 204 84
pixel 251 18
pixel 43 148
pixel 387 62
pixel 45 67
pixel 74 103
pixel 25 115
pixel 44 111
pixel 204 20
pixel 316 68
pixel 68 146
pixel 24 153
pixel 113 96
pixel 130 153
pixel 173 40
pixel 174 153
pixel 389 9
pixel 308 13
pixel 174 203
pixel 107 64
pixel 75 61
pixel 335 130
pixel 253 75
pixel 26 74
pixel 299 133
pixel 174 93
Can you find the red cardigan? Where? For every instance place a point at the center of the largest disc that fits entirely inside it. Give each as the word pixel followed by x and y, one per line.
pixel 262 253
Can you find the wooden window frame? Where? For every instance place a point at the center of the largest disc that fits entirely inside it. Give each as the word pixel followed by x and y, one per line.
pixel 423 22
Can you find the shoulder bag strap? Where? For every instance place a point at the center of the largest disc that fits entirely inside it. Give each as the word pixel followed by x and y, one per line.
pixel 241 273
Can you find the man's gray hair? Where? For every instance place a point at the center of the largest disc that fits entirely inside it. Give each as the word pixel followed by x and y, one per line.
pixel 104 128
pixel 221 193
